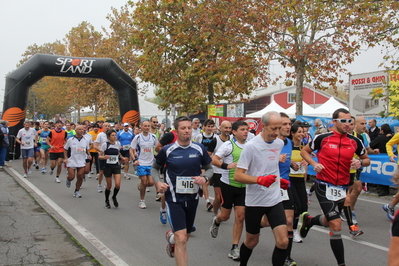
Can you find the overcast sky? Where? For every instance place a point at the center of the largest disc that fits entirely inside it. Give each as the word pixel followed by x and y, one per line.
pixel 26 22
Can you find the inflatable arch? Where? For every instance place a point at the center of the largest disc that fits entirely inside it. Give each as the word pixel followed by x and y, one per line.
pixel 19 81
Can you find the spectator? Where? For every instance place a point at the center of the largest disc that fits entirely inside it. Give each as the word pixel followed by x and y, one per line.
pixel 374 131
pixel 320 128
pixel 379 143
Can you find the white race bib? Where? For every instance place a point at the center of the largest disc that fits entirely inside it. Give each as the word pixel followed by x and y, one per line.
pixel 126 147
pixel 185 185
pixel 335 193
pixel 301 169
pixel 113 159
pixel 284 194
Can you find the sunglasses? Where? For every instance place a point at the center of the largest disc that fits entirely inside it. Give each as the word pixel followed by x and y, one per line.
pixel 155 122
pixel 343 121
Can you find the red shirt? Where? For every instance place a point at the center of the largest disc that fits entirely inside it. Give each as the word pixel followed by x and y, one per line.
pixel 335 152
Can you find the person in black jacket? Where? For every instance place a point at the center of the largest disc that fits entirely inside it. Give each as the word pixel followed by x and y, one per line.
pixel 374 131
pixel 380 143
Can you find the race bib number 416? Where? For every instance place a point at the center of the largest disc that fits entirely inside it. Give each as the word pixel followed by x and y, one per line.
pixel 185 185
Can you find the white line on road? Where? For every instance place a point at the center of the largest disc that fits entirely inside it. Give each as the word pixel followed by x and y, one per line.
pixel 83 231
pixel 354 240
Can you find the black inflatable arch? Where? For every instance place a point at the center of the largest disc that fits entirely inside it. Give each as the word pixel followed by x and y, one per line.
pixel 19 81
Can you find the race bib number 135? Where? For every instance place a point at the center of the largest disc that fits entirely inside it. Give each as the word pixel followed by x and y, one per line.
pixel 335 193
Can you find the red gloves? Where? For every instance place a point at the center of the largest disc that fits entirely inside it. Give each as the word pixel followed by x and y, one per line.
pixel 266 180
pixel 284 183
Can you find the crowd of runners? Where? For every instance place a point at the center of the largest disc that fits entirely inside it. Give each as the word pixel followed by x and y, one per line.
pixel 263 177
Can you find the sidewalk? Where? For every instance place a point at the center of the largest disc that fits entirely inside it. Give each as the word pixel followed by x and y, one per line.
pixel 28 235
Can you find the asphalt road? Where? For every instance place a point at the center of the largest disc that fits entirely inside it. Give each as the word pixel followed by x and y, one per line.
pixel 131 236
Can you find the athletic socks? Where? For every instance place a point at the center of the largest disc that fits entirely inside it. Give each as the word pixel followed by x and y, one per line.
pixel 348 214
pixel 245 254
pixel 337 247
pixel 116 190
pixel 290 240
pixel 317 220
pixel 279 256
pixel 107 192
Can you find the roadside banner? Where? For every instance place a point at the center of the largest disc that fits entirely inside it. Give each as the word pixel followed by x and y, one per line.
pixel 379 172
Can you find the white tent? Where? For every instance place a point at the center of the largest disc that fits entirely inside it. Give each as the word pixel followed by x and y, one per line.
pixel 273 106
pixel 148 109
pixel 306 110
pixel 328 108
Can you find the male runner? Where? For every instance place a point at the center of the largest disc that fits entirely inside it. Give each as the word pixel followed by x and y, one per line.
pixel 101 139
pixel 37 148
pixel 225 131
pixel 56 140
pixel 184 160
pixel 125 137
pixel 142 152
pixel 79 147
pixel 258 167
pixel 335 158
pixel 27 138
pixel 206 139
pixel 232 192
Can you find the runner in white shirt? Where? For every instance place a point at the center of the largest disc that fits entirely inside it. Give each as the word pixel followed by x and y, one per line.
pixel 142 152
pixel 89 138
pixel 258 167
pixel 27 138
pixel 76 163
pixel 101 139
pixel 195 128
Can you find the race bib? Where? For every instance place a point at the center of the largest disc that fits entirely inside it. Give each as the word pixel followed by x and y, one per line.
pixel 185 185
pixel 284 194
pixel 147 150
pixel 80 150
pixel 113 159
pixel 335 193
pixel 301 169
pixel 126 147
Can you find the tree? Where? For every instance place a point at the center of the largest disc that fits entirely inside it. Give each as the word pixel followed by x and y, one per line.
pixel 315 39
pixel 85 41
pixel 183 54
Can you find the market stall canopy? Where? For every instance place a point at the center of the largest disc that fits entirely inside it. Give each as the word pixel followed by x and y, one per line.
pixel 306 110
pixel 273 106
pixel 328 108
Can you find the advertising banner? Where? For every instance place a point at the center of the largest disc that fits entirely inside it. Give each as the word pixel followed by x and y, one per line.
pixel 362 87
pixel 379 172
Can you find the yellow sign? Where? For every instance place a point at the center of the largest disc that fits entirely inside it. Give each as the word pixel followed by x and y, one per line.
pixel 393 86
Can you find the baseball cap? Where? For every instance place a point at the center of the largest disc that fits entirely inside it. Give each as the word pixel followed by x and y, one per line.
pixel 305 124
pixel 125 124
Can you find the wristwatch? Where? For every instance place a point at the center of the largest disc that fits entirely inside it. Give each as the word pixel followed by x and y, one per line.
pixel 361 162
pixel 206 179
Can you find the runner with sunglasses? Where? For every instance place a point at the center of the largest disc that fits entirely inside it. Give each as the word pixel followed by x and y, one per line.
pixel 335 158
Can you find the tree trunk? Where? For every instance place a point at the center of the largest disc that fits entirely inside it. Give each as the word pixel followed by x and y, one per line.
pixel 210 92
pixel 300 72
